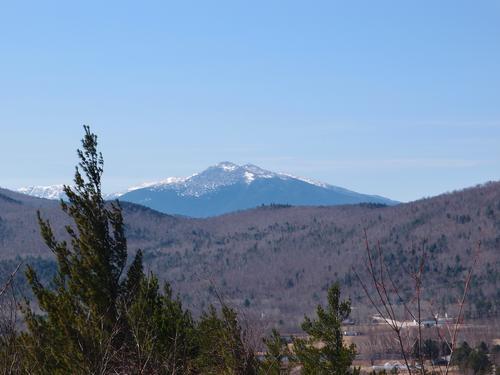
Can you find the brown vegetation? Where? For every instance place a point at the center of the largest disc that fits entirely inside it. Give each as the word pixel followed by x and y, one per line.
pixel 276 262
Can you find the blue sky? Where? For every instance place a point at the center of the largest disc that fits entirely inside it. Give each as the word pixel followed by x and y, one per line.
pixel 397 98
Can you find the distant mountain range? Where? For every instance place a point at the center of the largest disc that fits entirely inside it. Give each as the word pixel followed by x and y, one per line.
pixel 227 187
pixel 47 192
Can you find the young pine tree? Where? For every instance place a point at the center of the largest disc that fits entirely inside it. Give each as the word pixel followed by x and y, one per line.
pixel 222 346
pixel 80 330
pixel 324 352
pixel 162 334
pixel 276 355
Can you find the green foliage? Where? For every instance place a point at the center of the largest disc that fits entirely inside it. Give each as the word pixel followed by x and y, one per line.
pixel 461 354
pixel 430 349
pixel 277 352
pixel 479 363
pixel 135 275
pixel 324 351
pixel 162 334
pixel 223 350
pixel 473 361
pixel 78 330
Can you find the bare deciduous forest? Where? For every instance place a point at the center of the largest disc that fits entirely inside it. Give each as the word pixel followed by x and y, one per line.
pixel 276 262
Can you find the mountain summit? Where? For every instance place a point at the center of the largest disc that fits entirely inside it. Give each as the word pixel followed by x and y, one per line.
pixel 213 178
pixel 228 187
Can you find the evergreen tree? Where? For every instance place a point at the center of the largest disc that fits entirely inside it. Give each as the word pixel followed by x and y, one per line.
pixel 223 350
pixel 80 327
pixel 473 361
pixel 163 334
pixel 323 352
pixel 431 349
pixel 135 276
pixel 461 356
pixel 479 362
pixel 276 354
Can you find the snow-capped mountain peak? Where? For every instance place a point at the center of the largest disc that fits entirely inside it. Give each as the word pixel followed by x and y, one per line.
pixel 47 192
pixel 226 187
pixel 227 166
pixel 212 178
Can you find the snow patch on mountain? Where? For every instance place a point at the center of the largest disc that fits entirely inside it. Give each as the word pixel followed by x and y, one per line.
pixel 249 177
pixel 153 184
pixel 227 166
pixel 307 180
pixel 217 176
pixel 47 192
pixel 213 178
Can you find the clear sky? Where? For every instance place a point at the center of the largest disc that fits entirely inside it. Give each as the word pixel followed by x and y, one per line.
pixel 397 98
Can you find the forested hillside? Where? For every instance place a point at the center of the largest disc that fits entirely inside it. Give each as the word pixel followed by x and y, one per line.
pixel 275 262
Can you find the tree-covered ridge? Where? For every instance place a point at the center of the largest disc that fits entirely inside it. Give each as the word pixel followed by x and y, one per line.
pixel 280 260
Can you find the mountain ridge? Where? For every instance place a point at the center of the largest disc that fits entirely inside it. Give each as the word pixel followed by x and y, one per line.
pixel 226 187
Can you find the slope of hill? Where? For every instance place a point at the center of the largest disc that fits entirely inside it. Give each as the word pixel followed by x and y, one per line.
pixel 277 261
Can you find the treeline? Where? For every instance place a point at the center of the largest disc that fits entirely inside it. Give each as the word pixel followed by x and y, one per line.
pixel 98 316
